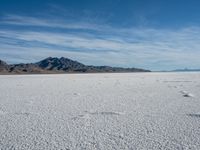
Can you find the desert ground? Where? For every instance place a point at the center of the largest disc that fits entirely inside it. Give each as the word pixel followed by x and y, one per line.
pixel 132 111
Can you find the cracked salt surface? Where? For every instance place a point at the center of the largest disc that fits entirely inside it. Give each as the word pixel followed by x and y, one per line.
pixel 2 112
pixel 100 111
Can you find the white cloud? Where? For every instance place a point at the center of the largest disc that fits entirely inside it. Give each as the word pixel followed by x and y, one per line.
pixel 140 47
pixel 51 23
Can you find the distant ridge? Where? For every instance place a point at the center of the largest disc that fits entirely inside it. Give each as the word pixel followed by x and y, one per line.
pixel 185 70
pixel 60 65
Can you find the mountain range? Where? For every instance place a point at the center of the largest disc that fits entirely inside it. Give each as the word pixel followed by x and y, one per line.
pixel 59 65
pixel 186 70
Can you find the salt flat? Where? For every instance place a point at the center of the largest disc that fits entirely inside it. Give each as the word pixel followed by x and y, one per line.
pixel 100 111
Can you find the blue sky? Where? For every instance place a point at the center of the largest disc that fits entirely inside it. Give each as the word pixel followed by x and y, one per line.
pixel 151 34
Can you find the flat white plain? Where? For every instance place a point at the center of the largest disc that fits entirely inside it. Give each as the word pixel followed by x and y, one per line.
pixel 100 111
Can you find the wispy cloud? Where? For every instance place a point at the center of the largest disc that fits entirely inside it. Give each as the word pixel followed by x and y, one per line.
pixel 50 22
pixel 100 44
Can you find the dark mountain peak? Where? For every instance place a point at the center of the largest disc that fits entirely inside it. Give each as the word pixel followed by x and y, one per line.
pixel 63 58
pixel 61 64
pixel 49 59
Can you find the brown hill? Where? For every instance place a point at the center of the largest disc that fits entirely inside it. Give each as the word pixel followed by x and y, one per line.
pixel 59 65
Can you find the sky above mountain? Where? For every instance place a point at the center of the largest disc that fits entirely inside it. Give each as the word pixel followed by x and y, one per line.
pixel 150 34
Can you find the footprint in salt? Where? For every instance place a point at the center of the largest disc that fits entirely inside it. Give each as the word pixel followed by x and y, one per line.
pixel 2 112
pixel 76 94
pixel 187 94
pixel 106 113
pixel 88 114
pixel 194 115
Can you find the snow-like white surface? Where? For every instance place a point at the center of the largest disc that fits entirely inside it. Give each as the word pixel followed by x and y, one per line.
pixel 100 111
